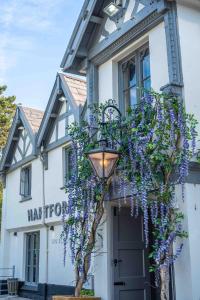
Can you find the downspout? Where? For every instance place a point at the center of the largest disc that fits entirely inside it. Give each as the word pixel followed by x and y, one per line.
pixel 42 158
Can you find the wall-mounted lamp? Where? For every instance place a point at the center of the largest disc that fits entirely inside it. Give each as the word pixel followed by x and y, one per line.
pixel 104 159
pixel 113 8
pixel 62 99
pixel 15 233
pixel 51 228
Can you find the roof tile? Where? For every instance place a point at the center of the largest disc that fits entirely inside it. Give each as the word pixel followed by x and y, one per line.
pixel 77 88
pixel 34 117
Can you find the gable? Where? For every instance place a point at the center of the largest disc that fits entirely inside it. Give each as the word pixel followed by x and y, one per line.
pixel 97 31
pixel 20 145
pixel 67 96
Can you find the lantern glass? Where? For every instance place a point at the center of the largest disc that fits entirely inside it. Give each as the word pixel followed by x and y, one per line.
pixel 103 162
pixel 111 9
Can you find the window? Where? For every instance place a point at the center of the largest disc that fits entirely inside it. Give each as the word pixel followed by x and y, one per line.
pixel 32 257
pixel 135 72
pixel 67 163
pixel 25 182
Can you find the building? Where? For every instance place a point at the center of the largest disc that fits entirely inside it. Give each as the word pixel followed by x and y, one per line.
pixel 116 46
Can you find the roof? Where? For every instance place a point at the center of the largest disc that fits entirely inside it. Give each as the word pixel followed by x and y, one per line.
pixel 77 88
pixel 34 117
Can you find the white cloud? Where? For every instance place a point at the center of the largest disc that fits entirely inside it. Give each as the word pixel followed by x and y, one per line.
pixel 20 20
pixel 31 15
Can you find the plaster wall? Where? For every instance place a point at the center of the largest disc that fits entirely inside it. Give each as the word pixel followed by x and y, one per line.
pixel 16 211
pixel 15 219
pixel 189 31
pixel 59 273
pixel 188 265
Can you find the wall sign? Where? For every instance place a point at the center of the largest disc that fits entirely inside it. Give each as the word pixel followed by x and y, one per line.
pixel 48 210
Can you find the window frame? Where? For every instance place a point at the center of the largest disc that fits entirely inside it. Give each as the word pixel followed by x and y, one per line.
pixel 23 195
pixel 136 55
pixel 66 165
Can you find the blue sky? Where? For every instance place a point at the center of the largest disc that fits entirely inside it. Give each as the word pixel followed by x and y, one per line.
pixel 33 37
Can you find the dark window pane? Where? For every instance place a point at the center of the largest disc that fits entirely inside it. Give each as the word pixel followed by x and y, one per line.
pixel 70 166
pixel 34 274
pixel 28 274
pixel 132 75
pixel 32 260
pixel 146 66
pixel 25 185
pixel 147 84
pixel 136 73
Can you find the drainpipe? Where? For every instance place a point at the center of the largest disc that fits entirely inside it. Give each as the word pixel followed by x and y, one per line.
pixel 42 158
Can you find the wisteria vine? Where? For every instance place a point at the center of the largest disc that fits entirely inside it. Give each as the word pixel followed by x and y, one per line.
pixel 157 142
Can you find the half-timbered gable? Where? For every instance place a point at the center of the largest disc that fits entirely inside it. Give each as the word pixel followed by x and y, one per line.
pixel 20 147
pixel 97 29
pixel 64 106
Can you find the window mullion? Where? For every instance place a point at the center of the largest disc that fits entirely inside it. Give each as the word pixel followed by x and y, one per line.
pixel 138 74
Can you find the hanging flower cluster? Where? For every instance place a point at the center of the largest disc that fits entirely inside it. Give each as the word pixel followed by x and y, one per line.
pixel 156 139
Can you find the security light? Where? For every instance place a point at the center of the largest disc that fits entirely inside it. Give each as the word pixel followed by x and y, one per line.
pixel 112 8
pixel 62 99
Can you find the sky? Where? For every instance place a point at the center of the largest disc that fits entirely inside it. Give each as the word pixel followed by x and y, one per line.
pixel 33 38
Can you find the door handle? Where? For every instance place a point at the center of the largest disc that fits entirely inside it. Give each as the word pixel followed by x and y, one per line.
pixel 119 283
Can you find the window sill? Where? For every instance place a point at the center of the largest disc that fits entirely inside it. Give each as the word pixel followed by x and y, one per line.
pixel 30 287
pixel 26 199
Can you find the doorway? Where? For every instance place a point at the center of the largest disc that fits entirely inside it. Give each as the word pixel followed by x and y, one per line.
pixel 130 263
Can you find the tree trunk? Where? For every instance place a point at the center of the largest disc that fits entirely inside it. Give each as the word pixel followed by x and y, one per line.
pixel 79 287
pixel 164 278
pixel 80 280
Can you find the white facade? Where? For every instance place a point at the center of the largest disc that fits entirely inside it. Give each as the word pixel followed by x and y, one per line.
pixel 47 182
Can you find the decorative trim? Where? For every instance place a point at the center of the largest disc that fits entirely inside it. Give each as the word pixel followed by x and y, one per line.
pixel 173 46
pixel 11 144
pixel 173 89
pixel 53 107
pixel 92 84
pixel 121 41
pixel 78 32
pixel 22 162
pixel 58 143
pixel 25 199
